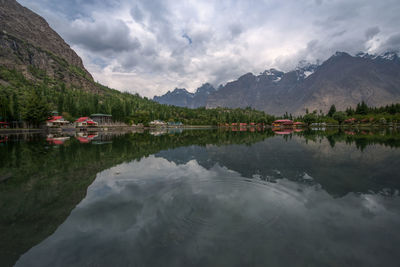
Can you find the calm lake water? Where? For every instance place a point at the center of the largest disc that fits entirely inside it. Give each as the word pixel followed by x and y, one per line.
pixel 201 198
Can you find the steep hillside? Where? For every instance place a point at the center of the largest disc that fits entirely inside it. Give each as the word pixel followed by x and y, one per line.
pixel 29 45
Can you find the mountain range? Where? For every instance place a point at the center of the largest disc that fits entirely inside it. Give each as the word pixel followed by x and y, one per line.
pixel 30 47
pixel 182 98
pixel 343 80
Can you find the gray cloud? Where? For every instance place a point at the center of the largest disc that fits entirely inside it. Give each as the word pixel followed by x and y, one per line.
pixel 137 14
pixel 235 29
pixel 101 36
pixel 392 43
pixel 140 47
pixel 371 32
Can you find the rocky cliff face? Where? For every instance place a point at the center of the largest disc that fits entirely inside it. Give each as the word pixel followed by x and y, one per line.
pixel 28 44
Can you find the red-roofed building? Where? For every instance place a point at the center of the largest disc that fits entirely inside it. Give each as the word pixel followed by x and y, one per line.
pixel 278 123
pixel 351 120
pixel 4 124
pixel 85 121
pixel 55 121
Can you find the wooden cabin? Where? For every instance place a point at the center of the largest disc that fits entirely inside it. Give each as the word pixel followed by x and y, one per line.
pixel 282 123
pixel 158 123
pixel 4 124
pixel 102 119
pixel 56 121
pixel 85 121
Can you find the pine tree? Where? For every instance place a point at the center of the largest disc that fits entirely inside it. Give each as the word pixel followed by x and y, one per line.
pixel 35 109
pixel 331 111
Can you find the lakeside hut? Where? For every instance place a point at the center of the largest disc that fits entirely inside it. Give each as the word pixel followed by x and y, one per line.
pixel 102 119
pixel 4 124
pixel 175 124
pixel 85 121
pixel 282 123
pixel 56 121
pixel 350 121
pixel 158 123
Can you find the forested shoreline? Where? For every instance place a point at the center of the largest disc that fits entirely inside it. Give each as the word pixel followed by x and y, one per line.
pixel 32 101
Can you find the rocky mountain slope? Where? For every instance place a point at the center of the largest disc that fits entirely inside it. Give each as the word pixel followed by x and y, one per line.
pixel 183 98
pixel 29 45
pixel 342 80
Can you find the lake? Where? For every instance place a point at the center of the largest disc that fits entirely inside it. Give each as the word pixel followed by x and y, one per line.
pixel 205 197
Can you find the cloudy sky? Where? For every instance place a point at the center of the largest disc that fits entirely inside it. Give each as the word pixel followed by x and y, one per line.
pixel 152 46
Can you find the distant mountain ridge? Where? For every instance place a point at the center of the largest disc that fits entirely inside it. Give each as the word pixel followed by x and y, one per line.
pixel 342 80
pixel 182 98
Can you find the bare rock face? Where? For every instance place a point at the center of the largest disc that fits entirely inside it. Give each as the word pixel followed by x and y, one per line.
pixel 346 80
pixel 342 80
pixel 28 44
pixel 26 25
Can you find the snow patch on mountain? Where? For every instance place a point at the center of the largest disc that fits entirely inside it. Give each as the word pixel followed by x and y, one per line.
pixel 305 69
pixel 388 55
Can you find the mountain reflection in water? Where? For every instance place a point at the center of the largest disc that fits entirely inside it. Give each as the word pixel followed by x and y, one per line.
pixel 217 198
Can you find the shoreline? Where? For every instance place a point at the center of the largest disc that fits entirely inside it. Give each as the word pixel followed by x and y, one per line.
pixel 131 128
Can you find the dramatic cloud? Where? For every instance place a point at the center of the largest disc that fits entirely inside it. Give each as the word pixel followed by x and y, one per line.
pixel 151 47
pixel 371 32
pixel 101 36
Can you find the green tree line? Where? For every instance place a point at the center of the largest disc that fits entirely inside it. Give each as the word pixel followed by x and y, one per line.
pixel 362 113
pixel 24 100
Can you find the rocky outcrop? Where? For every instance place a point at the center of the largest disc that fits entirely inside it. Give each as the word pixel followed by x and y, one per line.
pixel 29 45
pixel 26 25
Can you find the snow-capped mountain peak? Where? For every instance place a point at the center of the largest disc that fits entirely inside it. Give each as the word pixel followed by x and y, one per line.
pixel 272 74
pixel 305 69
pixel 388 55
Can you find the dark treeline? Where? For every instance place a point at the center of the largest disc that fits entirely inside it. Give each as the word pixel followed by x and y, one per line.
pixel 363 109
pixel 32 101
pixel 362 113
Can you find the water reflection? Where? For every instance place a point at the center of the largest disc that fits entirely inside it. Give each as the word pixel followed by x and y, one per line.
pixel 229 191
pixel 154 212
